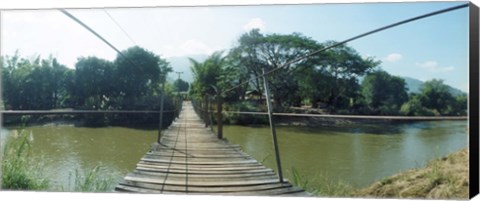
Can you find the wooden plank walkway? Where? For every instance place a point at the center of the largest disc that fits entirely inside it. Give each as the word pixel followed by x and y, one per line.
pixel 191 160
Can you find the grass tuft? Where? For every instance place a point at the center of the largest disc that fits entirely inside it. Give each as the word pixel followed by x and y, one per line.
pixel 19 171
pixel 321 184
pixel 96 179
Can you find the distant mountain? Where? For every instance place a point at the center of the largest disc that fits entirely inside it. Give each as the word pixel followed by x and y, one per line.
pixel 414 86
pixel 182 64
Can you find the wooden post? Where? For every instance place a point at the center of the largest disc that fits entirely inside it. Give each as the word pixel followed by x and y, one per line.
pixel 160 118
pixel 272 126
pixel 205 113
pixel 1 140
pixel 219 115
pixel 178 106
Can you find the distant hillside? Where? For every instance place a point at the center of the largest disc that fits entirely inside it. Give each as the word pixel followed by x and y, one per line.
pixel 182 64
pixel 414 86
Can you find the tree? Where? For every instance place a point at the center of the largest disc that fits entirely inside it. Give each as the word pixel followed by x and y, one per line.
pixel 14 80
pixel 181 85
pixel 384 93
pixel 436 96
pixel 414 107
pixel 246 61
pixel 329 76
pixel 138 73
pixel 33 84
pixel 133 81
pixel 344 65
pixel 436 99
pixel 256 53
pixel 208 74
pixel 61 78
pixel 460 105
pixel 94 83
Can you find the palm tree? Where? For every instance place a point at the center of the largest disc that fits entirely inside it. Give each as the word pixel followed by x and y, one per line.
pixel 208 75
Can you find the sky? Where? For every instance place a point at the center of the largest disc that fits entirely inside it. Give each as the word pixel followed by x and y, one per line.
pixel 431 48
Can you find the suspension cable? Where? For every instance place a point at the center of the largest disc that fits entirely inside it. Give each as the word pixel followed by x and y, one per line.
pixel 118 25
pixel 97 35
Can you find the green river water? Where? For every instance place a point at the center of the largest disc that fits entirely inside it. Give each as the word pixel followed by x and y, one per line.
pixel 355 154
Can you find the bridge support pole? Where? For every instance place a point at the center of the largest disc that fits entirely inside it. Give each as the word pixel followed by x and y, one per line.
pixel 205 114
pixel 272 126
pixel 219 115
pixel 160 117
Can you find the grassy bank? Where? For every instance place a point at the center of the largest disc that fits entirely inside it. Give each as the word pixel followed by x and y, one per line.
pixel 443 178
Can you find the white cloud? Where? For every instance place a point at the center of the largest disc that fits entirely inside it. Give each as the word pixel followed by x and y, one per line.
pixel 433 66
pixel 394 57
pixel 255 23
pixel 190 47
pixel 428 64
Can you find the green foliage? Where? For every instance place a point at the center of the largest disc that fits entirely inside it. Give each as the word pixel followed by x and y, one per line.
pixel 414 107
pixel 334 188
pixel 299 180
pixel 383 93
pixel 436 96
pixel 181 85
pixel 19 171
pixel 321 184
pixel 131 82
pixel 328 77
pixel 459 107
pixel 96 179
pixel 209 76
pixel 256 52
pixel 435 99
pixel 138 73
pixel 34 84
pixel 245 119
pixel 90 72
pixel 343 65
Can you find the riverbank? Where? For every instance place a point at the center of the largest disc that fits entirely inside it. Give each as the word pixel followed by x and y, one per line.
pixel 338 120
pixel 77 122
pixel 443 178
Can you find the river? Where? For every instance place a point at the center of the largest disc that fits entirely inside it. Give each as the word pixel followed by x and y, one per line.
pixel 62 150
pixel 355 154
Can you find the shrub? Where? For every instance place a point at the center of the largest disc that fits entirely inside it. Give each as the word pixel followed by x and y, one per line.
pixel 245 119
pixel 96 179
pixel 18 170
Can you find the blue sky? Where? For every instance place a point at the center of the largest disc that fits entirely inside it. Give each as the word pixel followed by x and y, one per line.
pixel 435 47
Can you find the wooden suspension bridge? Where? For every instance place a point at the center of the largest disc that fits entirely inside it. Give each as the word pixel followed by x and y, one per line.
pixel 190 159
